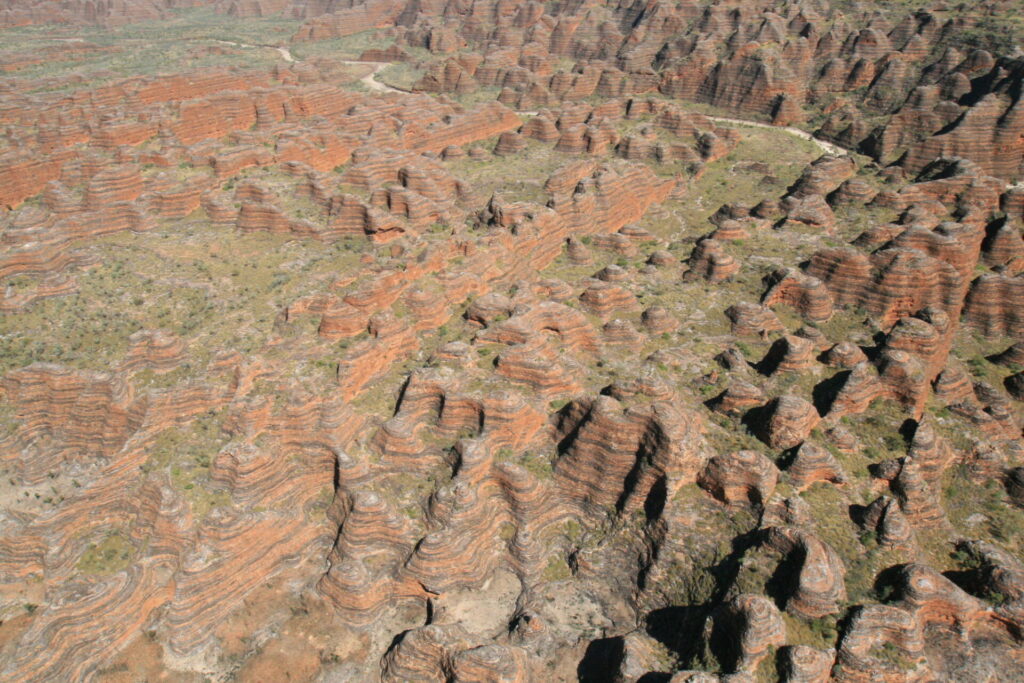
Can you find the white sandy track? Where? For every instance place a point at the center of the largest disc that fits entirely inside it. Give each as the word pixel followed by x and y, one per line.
pixel 827 147
pixel 285 53
pixel 369 80
pixel 824 146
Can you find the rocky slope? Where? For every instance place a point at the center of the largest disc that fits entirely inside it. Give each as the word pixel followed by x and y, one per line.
pixel 895 85
pixel 541 372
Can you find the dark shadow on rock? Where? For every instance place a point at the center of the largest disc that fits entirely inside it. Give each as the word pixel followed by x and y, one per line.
pixel 654 677
pixel 858 513
pixel 680 629
pixel 907 429
pixel 887 583
pixel 784 580
pixel 600 661
pixel 824 393
pixel 787 457
pixel 656 497
pixel 756 420
pixel 772 359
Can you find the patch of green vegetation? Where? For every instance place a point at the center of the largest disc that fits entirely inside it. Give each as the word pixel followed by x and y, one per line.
pixel 349 47
pixel 853 464
pixel 177 278
pixel 572 530
pixel 800 383
pixel 8 423
pixel 538 464
pixel 892 655
pixel 817 633
pixel 516 177
pixel 557 569
pixel 965 496
pixel 849 323
pixel 150 48
pixel 401 75
pixel 974 349
pixel 878 429
pixel 969 562
pixel 728 435
pixel 756 570
pixel 161 380
pixel 187 452
pixel 112 554
pixel 503 455
pixel 748 352
pixel 767 669
pixel 852 221
pixel 830 515
pixel 478 96
pixel 412 511
pixel 789 316
pixel 407 491
pixel 726 181
pixel 381 395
